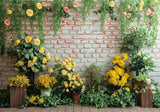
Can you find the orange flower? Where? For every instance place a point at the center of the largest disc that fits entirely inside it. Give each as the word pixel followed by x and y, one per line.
pixel 128 6
pixel 44 4
pixel 152 8
pixel 128 15
pixel 124 13
pixel 75 4
pixel 7 22
pixel 63 21
pixel 66 9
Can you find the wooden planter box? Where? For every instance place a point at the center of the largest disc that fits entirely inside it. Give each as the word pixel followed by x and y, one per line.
pixel 17 95
pixel 146 99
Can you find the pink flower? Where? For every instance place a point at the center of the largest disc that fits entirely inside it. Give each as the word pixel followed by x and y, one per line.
pixel 148 12
pixel 128 15
pixel 151 88
pixel 153 92
pixel 75 4
pixel 128 6
pixel 152 8
pixel 152 13
pixel 63 21
pixel 138 54
pixel 66 9
pixel 124 13
pixel 7 22
pixel 44 4
pixel 148 81
pixel 136 91
pixel 129 62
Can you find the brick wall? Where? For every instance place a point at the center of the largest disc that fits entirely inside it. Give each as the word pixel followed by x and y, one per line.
pixel 83 42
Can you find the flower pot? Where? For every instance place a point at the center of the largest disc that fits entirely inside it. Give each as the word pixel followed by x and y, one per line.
pixel 146 99
pixel 17 95
pixel 76 97
pixel 140 84
pixel 45 92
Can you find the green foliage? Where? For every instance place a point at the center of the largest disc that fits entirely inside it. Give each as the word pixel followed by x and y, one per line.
pixel 93 75
pixel 134 40
pixel 5 98
pixel 156 99
pixel 141 63
pixel 2 26
pixel 88 4
pixel 97 98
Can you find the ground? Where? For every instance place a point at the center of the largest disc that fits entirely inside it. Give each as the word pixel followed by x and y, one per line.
pixel 78 108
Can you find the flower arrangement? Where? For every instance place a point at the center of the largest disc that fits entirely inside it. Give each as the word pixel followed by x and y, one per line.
pixel 45 81
pixel 31 54
pixel 34 100
pixel 143 88
pixel 118 76
pixel 18 81
pixel 141 63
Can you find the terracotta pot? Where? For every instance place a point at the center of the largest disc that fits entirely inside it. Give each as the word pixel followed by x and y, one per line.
pixel 76 97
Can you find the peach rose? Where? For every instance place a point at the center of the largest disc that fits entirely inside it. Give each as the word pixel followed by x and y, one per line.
pixel 63 21
pixel 128 15
pixel 128 6
pixel 138 54
pixel 153 92
pixel 7 22
pixel 66 9
pixel 152 8
pixel 75 4
pixel 152 13
pixel 124 13
pixel 148 81
pixel 148 12
pixel 44 4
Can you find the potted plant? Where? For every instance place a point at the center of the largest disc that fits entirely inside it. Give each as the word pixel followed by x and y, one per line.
pixel 31 56
pixel 145 89
pixel 17 90
pixel 45 83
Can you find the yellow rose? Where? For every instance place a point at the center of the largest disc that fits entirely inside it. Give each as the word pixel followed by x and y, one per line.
pixel 9 12
pixel 44 60
pixel 44 66
pixel 127 89
pixel 56 59
pixel 69 74
pixel 73 86
pixel 114 95
pixel 39 5
pixel 17 42
pixel 64 72
pixel 68 67
pixel 41 100
pixel 37 42
pixel 141 3
pixel 28 39
pixel 74 64
pixel 36 70
pixel 72 59
pixel 48 56
pixel 111 3
pixel 63 63
pixel 120 91
pixel 20 63
pixel 41 50
pixel 34 59
pixel 69 58
pixel 16 69
pixel 29 12
pixel 140 8
pixel 67 90
pixel 30 63
pixel 50 70
pixel 10 41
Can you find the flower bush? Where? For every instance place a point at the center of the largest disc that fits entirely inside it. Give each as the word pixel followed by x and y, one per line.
pixel 31 55
pixel 18 81
pixel 141 63
pixel 45 81
pixel 34 100
pixel 118 76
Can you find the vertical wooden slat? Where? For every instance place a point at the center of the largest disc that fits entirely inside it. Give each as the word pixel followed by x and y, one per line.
pixel 150 97
pixel 11 96
pixel 20 96
pixel 147 99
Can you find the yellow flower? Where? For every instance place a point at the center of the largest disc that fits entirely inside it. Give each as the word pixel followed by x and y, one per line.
pixel 125 57
pixel 30 63
pixel 78 84
pixel 74 64
pixel 44 60
pixel 63 63
pixel 82 90
pixel 84 79
pixel 73 86
pixel 66 60
pixel 120 91
pixel 67 90
pixel 56 59
pixel 28 39
pixel 140 8
pixel 68 67
pixel 72 59
pixel 44 66
pixel 69 58
pixel 73 70
pixel 36 70
pixel 48 56
pixel 64 72
pixel 37 42
pixel 152 2
pixel 41 100
pixel 16 69
pixel 66 85
pixel 69 74
pixel 17 42
pixel 39 5
pixel 117 57
pixel 127 89
pixel 111 3
pixel 41 50
pixel 9 12
pixel 50 70
pixel 20 63
pixel 10 41
pixel 114 94
pixel 29 12
pixel 34 59
pixel 141 3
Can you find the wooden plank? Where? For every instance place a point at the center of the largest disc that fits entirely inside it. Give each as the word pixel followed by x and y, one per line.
pixel 101 110
pixel 139 109
pixel 85 109
pixel 77 108
pixel 93 109
pixel 151 100
pixel 147 99
pixel 109 109
pixel 11 97
pixel 117 110
pixel 61 108
pixel 69 108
